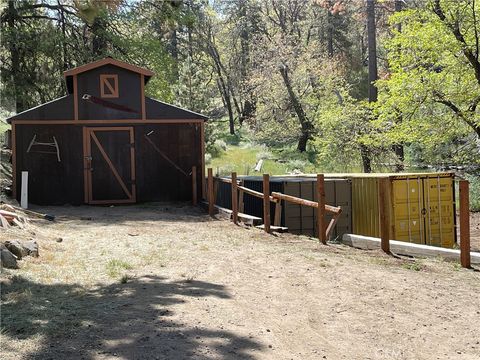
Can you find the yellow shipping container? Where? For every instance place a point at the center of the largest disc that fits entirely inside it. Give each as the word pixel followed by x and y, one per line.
pixel 422 207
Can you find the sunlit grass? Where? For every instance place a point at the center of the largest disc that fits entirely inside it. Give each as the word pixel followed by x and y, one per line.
pixel 243 159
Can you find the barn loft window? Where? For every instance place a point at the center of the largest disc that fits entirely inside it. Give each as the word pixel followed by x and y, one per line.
pixel 109 86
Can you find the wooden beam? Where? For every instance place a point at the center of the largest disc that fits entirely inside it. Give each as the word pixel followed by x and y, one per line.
pixel 300 201
pixel 234 198
pixel 194 186
pixel 322 235
pixel 211 200
pixel 266 202
pixel 383 184
pixel 464 224
pixel 256 193
pixel 331 225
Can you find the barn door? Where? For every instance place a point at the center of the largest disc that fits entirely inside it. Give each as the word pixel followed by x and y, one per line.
pixel 109 165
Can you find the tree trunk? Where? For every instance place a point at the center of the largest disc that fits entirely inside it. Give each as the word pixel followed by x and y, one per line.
pixel 399 148
pixel 366 161
pixel 15 57
pixel 399 152
pixel 372 51
pixel 372 75
pixel 99 42
pixel 329 30
pixel 226 101
pixel 173 50
pixel 306 125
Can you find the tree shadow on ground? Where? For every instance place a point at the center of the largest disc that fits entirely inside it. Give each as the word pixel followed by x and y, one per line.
pixel 129 321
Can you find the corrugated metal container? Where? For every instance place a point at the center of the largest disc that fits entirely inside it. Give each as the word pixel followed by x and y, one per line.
pixel 303 220
pixel 422 207
pixel 299 219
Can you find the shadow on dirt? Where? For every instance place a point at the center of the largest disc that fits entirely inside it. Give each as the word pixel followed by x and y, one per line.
pixel 129 321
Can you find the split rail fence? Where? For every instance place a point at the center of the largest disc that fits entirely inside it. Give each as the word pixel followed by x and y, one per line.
pixel 238 191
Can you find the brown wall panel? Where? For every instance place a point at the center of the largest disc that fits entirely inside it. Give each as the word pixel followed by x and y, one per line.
pixel 129 94
pixel 50 181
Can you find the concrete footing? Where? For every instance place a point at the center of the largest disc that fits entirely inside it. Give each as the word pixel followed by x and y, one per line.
pixel 404 248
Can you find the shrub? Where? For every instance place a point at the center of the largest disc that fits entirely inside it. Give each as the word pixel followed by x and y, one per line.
pixel 216 148
pixel 208 158
pixel 474 192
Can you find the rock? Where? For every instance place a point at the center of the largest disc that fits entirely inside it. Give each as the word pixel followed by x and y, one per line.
pixel 59 239
pixel 8 260
pixel 32 247
pixel 16 248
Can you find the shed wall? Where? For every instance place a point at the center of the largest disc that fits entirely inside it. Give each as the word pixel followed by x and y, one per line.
pixel 54 183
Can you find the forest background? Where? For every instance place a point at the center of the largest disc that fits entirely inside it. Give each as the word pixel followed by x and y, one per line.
pixel 303 85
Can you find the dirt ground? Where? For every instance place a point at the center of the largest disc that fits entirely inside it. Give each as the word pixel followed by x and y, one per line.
pixel 168 282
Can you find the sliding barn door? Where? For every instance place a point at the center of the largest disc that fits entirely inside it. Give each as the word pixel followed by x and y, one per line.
pixel 109 163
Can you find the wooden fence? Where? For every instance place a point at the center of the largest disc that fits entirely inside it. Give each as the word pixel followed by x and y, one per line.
pixel 238 191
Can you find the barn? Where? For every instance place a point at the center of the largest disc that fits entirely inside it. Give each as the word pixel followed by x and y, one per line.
pixel 105 142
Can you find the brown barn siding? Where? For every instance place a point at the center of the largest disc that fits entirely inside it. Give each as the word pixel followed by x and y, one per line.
pixel 129 94
pixel 49 181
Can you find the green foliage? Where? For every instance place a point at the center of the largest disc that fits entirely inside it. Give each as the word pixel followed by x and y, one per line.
pixel 474 192
pixel 114 267
pixel 427 99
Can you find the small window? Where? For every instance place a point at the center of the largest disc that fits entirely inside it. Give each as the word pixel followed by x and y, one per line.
pixel 109 86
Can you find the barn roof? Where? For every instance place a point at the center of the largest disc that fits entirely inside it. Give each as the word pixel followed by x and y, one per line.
pixel 108 61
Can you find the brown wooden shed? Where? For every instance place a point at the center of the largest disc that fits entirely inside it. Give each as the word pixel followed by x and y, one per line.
pixel 105 142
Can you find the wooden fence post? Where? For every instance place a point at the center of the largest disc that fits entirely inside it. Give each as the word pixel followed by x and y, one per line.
pixel 234 198
pixel 464 224
pixel 194 186
pixel 322 235
pixel 266 202
pixel 211 199
pixel 384 214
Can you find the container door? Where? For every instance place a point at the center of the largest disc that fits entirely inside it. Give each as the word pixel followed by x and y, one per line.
pixel 109 165
pixel 439 211
pixel 408 210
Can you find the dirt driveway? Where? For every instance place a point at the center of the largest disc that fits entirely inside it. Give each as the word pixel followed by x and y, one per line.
pixel 168 282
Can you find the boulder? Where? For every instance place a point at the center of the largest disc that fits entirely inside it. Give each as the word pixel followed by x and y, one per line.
pixel 32 247
pixel 7 259
pixel 16 248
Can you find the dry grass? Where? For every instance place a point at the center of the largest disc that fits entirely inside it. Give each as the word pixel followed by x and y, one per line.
pixel 175 284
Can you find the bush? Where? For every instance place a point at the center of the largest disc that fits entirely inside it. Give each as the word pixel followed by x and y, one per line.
pixel 208 158
pixel 217 148
pixel 221 144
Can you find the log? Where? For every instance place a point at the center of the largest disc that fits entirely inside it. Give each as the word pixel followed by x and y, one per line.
pixel 299 201
pixel 255 193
